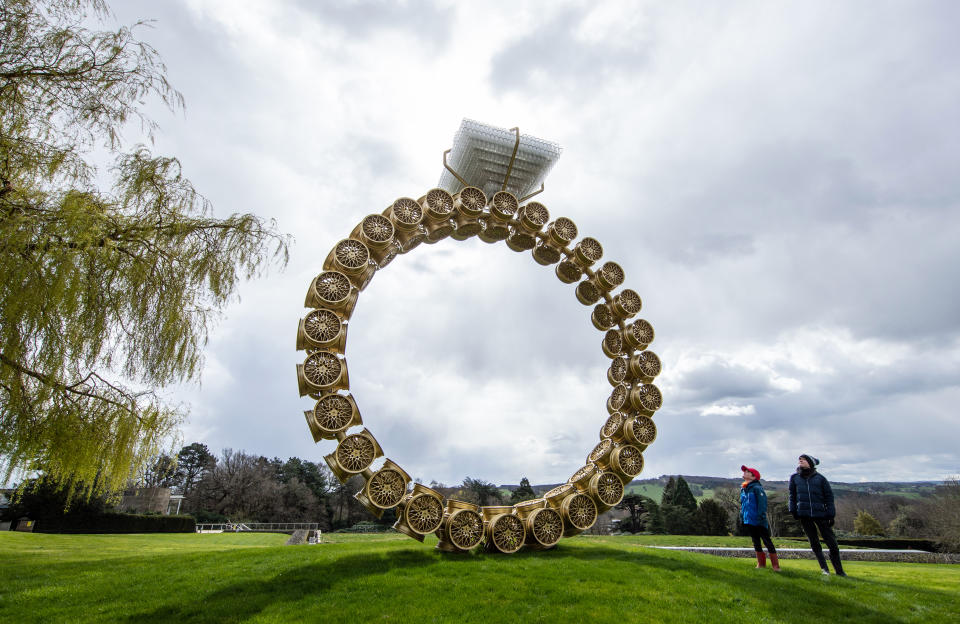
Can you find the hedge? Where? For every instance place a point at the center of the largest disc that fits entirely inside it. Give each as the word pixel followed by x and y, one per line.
pixel 115 523
pixel 891 543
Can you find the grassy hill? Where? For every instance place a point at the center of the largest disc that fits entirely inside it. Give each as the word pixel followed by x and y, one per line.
pixel 254 578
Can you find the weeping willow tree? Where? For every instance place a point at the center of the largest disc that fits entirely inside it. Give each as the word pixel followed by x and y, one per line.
pixel 107 289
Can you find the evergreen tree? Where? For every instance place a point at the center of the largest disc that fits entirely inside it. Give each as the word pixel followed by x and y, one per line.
pixel 711 518
pixel 193 461
pixel 678 520
pixel 652 518
pixel 669 492
pixel 634 503
pixel 523 492
pixel 106 294
pixel 683 497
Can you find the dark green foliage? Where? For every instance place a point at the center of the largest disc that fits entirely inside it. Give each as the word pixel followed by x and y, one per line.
pixel 112 522
pixel 41 499
pixel 712 518
pixel 484 492
pixel 678 508
pixel 57 511
pixel 683 497
pixel 652 518
pixel 634 504
pixel 892 544
pixel 644 514
pixel 669 492
pixel 202 516
pixel 193 461
pixel 318 479
pixel 522 492
pixel 678 520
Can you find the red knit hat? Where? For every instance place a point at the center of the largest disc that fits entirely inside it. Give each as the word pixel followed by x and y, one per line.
pixel 753 471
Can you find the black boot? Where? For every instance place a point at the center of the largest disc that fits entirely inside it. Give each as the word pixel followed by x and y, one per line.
pixel 823 562
pixel 837 566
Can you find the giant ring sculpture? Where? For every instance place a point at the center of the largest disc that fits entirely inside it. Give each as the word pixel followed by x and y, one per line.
pixel 522 225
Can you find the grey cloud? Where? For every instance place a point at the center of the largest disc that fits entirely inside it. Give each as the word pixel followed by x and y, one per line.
pixel 718 379
pixel 552 58
pixel 706 247
pixel 802 186
pixel 424 23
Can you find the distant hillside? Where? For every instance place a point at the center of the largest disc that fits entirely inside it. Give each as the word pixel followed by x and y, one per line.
pixel 703 487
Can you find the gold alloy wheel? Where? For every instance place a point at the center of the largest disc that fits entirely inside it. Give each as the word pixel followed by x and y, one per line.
pixel 332 287
pixel 407 212
pixel 618 370
pixel 628 428
pixel 333 413
pixel 534 216
pixel 547 526
pixel 322 326
pixel 465 529
pixel 607 488
pixel 386 488
pixel 377 229
pixel 355 453
pixel 587 251
pixel 507 533
pixel 628 460
pixel 438 202
pixel 322 369
pixel 424 513
pixel 643 430
pixel 612 426
pixel 580 511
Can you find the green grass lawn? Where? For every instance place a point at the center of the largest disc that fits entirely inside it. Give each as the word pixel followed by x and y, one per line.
pixel 388 577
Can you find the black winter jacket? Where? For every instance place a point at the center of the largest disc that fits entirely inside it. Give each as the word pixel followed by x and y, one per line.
pixel 811 495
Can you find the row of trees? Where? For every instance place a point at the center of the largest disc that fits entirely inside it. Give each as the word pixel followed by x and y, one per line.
pixel 936 517
pixel 239 486
pixel 677 513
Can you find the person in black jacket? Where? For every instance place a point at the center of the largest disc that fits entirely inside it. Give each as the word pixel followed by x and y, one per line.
pixel 811 502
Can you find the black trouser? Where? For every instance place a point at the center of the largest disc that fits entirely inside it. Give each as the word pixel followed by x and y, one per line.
pixel 810 526
pixel 758 533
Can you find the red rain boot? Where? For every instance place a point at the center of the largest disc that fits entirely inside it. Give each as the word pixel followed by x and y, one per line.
pixel 761 559
pixel 774 562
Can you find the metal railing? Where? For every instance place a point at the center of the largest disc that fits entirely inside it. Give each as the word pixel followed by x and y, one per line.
pixel 262 527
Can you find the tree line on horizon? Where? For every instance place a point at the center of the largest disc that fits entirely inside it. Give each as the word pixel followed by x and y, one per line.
pixel 238 486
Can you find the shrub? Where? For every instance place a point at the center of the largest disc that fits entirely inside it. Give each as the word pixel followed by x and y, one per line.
pixel 865 524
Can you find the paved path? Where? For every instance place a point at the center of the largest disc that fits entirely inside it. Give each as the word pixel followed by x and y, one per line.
pixel 847 554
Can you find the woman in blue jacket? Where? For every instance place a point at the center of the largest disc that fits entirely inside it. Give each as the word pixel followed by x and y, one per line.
pixel 811 502
pixel 753 513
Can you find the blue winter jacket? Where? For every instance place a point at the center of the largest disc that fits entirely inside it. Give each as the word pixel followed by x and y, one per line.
pixel 811 496
pixel 753 504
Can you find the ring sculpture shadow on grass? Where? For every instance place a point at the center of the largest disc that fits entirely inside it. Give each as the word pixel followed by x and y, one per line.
pixel 564 511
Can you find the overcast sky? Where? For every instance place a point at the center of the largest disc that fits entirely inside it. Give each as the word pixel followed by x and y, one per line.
pixel 778 181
